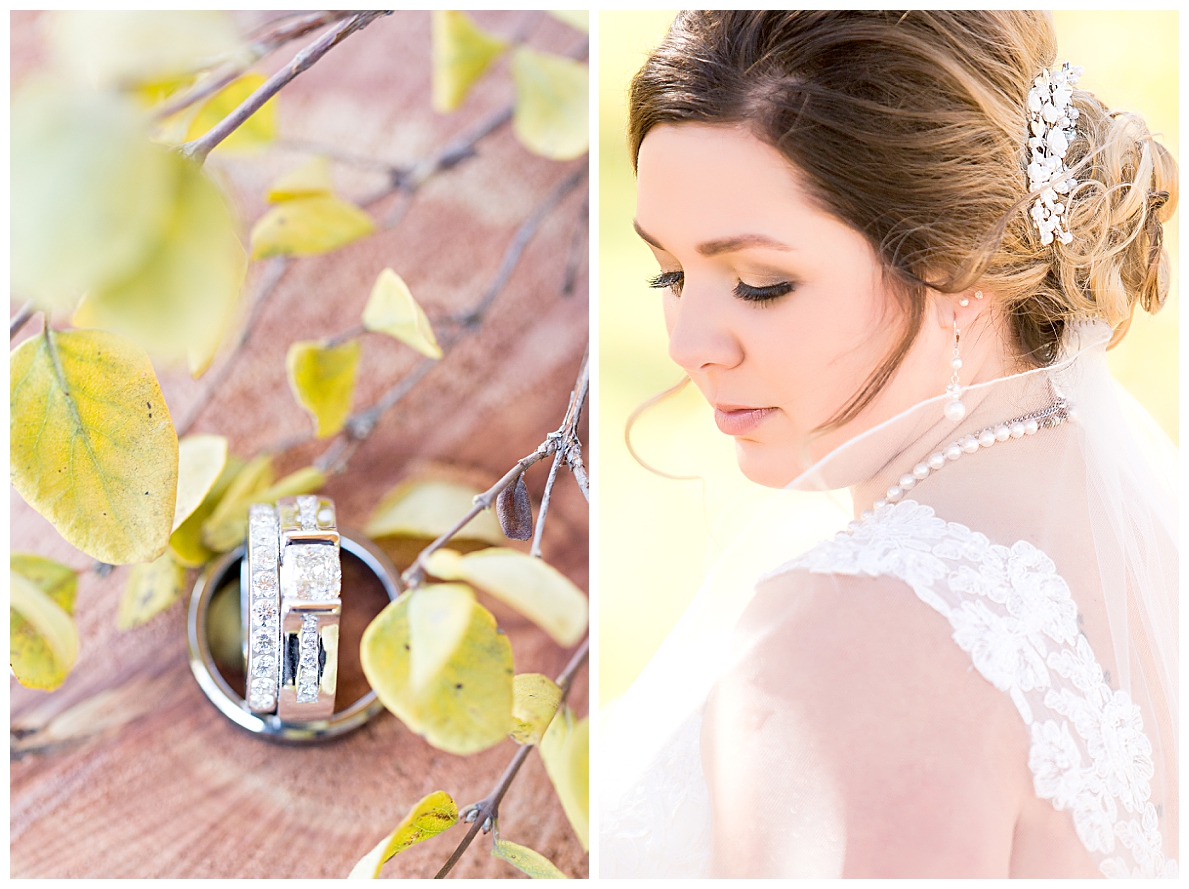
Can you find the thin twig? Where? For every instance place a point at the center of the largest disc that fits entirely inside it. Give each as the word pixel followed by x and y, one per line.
pixel 482 814
pixel 269 280
pixel 259 47
pixel 415 574
pixel 360 425
pixel 535 549
pixel 201 147
pixel 19 320
pixel 348 334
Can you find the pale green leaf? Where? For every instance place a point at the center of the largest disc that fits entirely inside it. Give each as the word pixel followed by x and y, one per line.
pixel 30 654
pixel 152 587
pixel 551 116
pixel 467 707
pixel 565 751
pixel 92 445
pixel 526 860
pixel 429 817
pixel 323 381
pixel 308 226
pixel 391 309
pixel 533 587
pixel 429 507
pixel 127 48
pixel 201 459
pixel 310 180
pixel 256 132
pixel 228 524
pixel 43 638
pixel 439 616
pixel 578 19
pixel 461 53
pixel 89 195
pixel 534 701
pixel 179 302
pixel 186 541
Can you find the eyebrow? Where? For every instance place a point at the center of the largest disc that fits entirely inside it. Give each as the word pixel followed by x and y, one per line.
pixel 722 245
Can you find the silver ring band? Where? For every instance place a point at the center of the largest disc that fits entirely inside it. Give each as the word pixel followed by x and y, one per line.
pixel 260 610
pixel 228 702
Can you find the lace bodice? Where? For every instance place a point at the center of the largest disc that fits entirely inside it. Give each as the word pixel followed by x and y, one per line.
pixel 1014 615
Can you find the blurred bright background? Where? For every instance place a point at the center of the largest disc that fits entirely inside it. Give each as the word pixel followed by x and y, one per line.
pixel 658 537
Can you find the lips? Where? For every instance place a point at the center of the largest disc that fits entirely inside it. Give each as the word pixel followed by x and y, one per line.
pixel 736 420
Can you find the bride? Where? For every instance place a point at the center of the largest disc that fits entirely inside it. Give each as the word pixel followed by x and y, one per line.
pixel 894 249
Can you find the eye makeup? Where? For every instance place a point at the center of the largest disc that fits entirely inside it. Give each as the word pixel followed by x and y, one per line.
pixel 746 292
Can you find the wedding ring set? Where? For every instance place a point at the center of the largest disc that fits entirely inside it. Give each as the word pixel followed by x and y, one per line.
pixel 290 609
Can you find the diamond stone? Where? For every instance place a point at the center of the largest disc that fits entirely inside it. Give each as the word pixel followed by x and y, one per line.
pixel 312 571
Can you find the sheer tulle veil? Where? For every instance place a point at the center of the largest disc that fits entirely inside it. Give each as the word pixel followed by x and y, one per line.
pixel 1054 555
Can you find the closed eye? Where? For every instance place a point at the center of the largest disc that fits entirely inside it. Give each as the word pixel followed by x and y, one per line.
pixel 762 294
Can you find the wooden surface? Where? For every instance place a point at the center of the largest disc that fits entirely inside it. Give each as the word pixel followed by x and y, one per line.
pixel 134 773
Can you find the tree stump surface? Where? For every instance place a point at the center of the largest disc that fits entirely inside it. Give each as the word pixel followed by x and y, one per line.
pixel 135 773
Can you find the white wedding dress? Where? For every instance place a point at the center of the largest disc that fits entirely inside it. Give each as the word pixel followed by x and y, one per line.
pixel 1053 558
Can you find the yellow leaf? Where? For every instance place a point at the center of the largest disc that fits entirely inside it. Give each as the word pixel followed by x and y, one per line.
pixel 180 300
pixel 551 117
pixel 43 638
pixel 526 860
pixel 533 587
pixel 565 751
pixel 201 459
pixel 308 226
pixel 230 516
pixel 228 524
pixel 323 381
pixel 534 701
pixel 461 53
pixel 124 49
pixel 391 309
pixel 152 587
pixel 186 541
pixel 428 818
pixel 439 617
pixel 30 654
pixel 89 193
pixel 311 179
pixel 92 445
pixel 258 130
pixel 428 507
pixel 578 19
pixel 467 707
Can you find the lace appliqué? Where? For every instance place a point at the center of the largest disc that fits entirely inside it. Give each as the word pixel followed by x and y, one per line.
pixel 1013 614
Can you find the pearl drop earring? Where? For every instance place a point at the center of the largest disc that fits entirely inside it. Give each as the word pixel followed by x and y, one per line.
pixel 955 410
pixel 963 302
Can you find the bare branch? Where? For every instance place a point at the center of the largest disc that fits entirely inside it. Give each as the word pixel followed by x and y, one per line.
pixel 539 532
pixel 416 572
pixel 19 320
pixel 274 35
pixel 201 147
pixel 577 252
pixel 484 813
pixel 348 334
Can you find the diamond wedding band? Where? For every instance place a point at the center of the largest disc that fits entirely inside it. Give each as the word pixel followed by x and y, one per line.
pixel 292 611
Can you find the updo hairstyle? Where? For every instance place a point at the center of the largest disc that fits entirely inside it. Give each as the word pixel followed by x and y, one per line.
pixel 911 127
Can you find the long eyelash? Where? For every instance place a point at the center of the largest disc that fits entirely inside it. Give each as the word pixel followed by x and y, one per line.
pixel 762 294
pixel 671 280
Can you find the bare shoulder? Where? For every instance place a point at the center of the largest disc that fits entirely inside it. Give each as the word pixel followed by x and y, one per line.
pixel 927 759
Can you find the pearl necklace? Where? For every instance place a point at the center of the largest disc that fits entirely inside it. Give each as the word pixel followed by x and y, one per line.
pixel 1029 424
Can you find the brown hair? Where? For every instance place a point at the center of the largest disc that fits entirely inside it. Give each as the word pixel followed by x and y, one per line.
pixel 910 128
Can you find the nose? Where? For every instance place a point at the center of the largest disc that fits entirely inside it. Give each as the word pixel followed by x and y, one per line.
pixel 700 335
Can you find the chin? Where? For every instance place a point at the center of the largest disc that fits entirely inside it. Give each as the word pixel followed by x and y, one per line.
pixel 765 465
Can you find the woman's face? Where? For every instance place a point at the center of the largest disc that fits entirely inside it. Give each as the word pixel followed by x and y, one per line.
pixel 775 309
